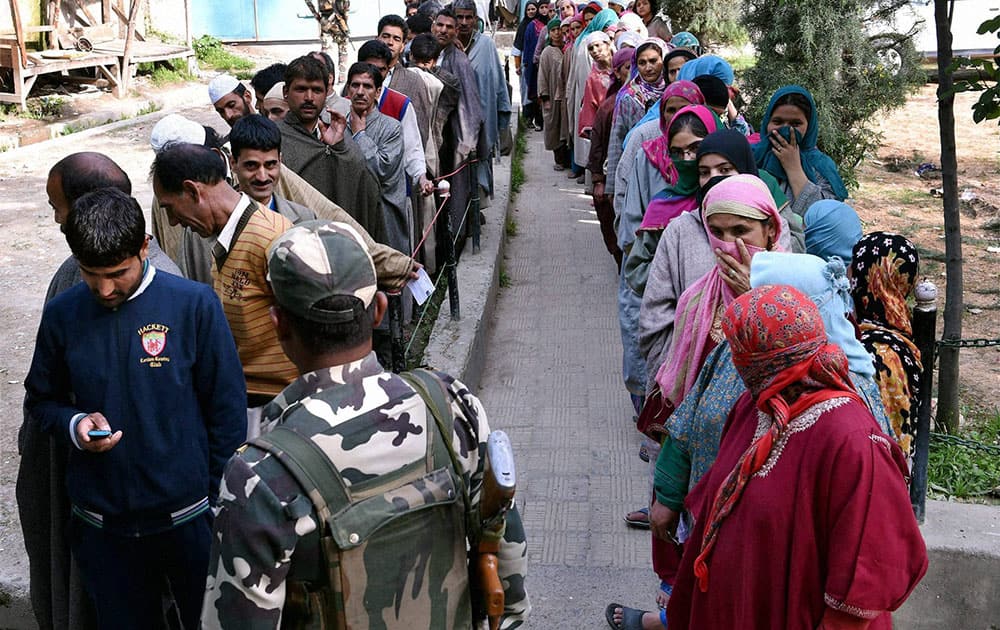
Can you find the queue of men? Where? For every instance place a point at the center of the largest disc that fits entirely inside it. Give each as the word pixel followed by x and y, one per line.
pixel 139 506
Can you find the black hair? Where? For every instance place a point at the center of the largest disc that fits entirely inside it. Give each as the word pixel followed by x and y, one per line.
pixel 797 100
pixel 689 121
pixel 254 132
pixel 419 24
pixel 307 68
pixel 447 12
pixel 326 338
pixel 393 20
pixel 362 67
pixel 213 140
pixel 181 161
pixel 714 90
pixel 82 173
pixel 264 80
pixel 105 228
pixel 465 5
pixel 424 47
pixel 374 49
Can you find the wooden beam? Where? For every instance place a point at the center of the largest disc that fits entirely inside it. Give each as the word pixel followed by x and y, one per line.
pixel 124 20
pixel 82 5
pixel 54 15
pixel 125 71
pixel 15 13
pixel 106 11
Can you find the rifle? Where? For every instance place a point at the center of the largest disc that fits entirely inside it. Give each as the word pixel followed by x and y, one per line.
pixel 499 485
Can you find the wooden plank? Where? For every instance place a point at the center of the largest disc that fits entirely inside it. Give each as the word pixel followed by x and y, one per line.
pixel 125 69
pixel 53 11
pixel 82 6
pixel 124 20
pixel 106 11
pixel 15 13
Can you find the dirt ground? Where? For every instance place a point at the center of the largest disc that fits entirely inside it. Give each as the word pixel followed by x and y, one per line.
pixel 893 197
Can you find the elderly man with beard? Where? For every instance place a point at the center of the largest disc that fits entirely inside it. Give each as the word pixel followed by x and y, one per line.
pixel 381 140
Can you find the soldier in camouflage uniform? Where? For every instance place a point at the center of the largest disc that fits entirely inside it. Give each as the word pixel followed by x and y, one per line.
pixel 372 426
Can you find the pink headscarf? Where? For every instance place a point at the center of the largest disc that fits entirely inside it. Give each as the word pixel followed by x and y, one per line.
pixel 658 149
pixel 697 323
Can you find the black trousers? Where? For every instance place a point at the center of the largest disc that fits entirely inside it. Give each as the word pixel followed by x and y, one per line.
pixel 129 579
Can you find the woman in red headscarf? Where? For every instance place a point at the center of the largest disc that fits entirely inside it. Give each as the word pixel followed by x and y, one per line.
pixel 804 521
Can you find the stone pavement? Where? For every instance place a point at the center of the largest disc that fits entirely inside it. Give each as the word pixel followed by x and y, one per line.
pixel 552 380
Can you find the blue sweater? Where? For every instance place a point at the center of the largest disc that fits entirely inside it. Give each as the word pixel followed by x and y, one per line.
pixel 163 369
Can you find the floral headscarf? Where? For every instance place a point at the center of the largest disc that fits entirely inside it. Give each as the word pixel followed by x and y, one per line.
pixel 777 338
pixel 644 92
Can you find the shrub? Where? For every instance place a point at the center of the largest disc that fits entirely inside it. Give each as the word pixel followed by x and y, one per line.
pixel 832 48
pixel 211 53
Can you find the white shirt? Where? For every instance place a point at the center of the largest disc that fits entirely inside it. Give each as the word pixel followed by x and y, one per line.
pixel 229 229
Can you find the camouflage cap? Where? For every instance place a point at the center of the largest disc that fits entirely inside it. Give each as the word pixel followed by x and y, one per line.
pixel 319 259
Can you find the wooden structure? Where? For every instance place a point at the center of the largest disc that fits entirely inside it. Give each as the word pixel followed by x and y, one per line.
pixel 110 47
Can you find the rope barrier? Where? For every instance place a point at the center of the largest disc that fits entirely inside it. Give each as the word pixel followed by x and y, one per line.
pixel 954 439
pixel 968 343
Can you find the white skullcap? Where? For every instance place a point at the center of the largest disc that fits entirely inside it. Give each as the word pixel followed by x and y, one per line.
pixel 220 86
pixel 277 92
pixel 175 128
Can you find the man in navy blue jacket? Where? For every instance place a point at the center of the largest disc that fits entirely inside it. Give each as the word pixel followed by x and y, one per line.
pixel 146 358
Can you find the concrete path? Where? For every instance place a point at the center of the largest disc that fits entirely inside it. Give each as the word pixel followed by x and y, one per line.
pixel 552 380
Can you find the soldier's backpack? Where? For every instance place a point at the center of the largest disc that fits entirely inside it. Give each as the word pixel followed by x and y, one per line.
pixel 391 550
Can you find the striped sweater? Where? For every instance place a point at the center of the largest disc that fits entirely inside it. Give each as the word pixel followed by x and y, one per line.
pixel 242 286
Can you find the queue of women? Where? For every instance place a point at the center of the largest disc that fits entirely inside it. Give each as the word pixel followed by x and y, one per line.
pixel 766 340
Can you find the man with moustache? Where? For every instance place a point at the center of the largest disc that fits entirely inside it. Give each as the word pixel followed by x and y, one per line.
pixel 381 140
pixel 315 145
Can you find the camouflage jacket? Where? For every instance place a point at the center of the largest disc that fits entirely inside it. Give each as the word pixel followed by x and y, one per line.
pixel 369 422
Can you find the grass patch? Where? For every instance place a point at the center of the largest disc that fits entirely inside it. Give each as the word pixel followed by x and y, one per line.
pixel 742 63
pixel 967 468
pixel 908 196
pixel 517 175
pixel 70 129
pixel 148 108
pixel 36 109
pixel 420 337
pixel 164 73
pixel 510 227
pixel 212 54
pixel 505 280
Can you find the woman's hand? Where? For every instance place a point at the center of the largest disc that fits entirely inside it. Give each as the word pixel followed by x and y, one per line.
pixel 735 273
pixel 787 152
pixel 662 521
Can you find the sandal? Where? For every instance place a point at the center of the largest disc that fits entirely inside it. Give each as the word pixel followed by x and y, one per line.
pixel 638 518
pixel 631 617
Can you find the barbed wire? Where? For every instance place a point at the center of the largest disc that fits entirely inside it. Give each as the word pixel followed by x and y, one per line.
pixel 967 343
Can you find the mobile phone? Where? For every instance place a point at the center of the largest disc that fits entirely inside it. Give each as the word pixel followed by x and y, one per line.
pixel 98 434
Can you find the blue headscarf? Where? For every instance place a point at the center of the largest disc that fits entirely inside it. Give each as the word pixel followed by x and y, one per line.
pixel 707 64
pixel 814 161
pixel 832 229
pixel 601 21
pixel 826 284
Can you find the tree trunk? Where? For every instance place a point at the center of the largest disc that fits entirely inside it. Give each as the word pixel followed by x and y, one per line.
pixel 947 411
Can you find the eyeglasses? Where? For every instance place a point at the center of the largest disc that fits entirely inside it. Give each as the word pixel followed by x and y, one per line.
pixel 689 152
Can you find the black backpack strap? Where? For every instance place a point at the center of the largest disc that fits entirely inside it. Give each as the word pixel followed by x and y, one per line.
pixel 310 467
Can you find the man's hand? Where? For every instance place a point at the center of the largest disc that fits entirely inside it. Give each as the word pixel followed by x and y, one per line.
pixel 91 422
pixel 334 132
pixel 599 191
pixel 662 521
pixel 413 270
pixel 358 122
pixel 426 186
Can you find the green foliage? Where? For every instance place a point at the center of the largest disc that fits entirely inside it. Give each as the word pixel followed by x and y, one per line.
pixel 711 21
pixel 832 48
pixel 967 468
pixel 504 277
pixel 211 53
pixel 510 227
pixel 37 108
pixel 987 80
pixel 165 73
pixel 517 174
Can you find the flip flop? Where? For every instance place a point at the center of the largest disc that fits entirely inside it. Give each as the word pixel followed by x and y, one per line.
pixel 631 617
pixel 638 523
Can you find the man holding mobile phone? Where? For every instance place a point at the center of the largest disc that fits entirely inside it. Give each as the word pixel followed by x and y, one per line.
pixel 137 371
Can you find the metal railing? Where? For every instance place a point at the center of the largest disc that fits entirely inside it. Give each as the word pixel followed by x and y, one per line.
pixel 449 237
pixel 924 324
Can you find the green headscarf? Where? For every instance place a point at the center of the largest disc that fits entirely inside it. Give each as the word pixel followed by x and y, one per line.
pixel 601 21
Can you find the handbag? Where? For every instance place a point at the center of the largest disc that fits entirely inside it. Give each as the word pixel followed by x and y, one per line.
pixel 656 410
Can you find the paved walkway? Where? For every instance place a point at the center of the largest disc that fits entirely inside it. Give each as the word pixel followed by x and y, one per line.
pixel 552 380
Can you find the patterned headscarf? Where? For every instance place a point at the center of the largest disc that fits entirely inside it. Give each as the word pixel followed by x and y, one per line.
pixel 883 272
pixel 699 307
pixel 642 91
pixel 685 40
pixel 777 338
pixel 658 149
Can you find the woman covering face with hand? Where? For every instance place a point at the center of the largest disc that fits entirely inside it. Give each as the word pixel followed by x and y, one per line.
pixel 787 150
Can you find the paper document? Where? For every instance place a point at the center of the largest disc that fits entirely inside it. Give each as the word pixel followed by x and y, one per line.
pixel 422 287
